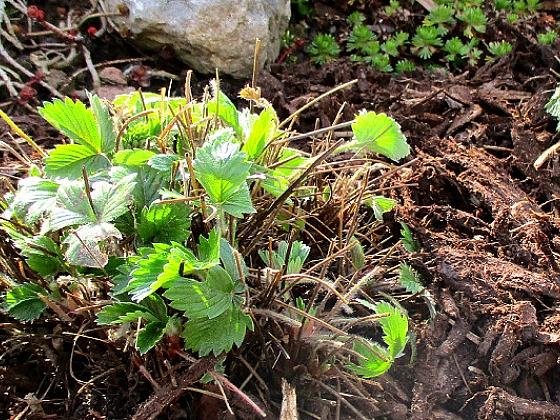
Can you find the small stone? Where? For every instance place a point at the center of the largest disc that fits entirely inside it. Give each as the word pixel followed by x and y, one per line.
pixel 112 76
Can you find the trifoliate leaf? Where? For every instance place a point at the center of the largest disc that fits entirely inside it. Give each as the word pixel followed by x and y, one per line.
pixel 222 170
pixel 377 133
pixel 375 362
pixel 75 121
pixel 218 334
pixel 109 202
pixel 22 301
pixel 408 278
pixel 164 223
pixel 204 299
pixel 395 328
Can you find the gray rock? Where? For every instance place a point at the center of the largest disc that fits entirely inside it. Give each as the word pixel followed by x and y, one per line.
pixel 208 34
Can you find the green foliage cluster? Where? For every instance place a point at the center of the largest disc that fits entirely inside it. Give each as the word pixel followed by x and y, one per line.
pixel 451 33
pixel 146 197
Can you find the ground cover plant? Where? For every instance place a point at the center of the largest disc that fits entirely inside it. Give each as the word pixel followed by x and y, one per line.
pixel 155 207
pixel 448 35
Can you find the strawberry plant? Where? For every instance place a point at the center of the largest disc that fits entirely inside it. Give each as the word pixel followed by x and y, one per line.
pixel 163 203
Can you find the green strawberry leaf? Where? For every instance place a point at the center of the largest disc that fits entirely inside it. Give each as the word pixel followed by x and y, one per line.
pixel 42 253
pixel 226 111
pixel 120 312
pixel 150 335
pixel 67 161
pixel 218 334
pixel 84 244
pixel 75 121
pixel 377 133
pixel 222 170
pixel 35 198
pixel 164 223
pixel 104 121
pixel 22 301
pixel 371 364
pixel 395 328
pixel 259 133
pixel 204 299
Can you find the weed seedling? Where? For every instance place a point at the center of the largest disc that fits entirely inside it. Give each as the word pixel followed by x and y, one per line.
pixel 356 18
pixel 426 41
pixel 360 38
pixel 498 49
pixel 394 44
pixel 548 38
pixel 441 18
pixel 474 19
pixel 393 8
pixel 404 66
pixel 323 49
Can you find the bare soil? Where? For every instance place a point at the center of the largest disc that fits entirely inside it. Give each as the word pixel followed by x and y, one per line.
pixel 487 220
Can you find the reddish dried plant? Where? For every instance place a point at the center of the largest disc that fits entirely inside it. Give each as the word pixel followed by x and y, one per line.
pixel 35 13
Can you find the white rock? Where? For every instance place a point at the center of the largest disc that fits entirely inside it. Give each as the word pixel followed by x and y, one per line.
pixel 208 34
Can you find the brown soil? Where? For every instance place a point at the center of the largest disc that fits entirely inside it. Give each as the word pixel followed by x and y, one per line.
pixel 487 221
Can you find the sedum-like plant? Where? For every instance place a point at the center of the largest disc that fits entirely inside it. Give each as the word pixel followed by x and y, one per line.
pixel 455 50
pixel 355 18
